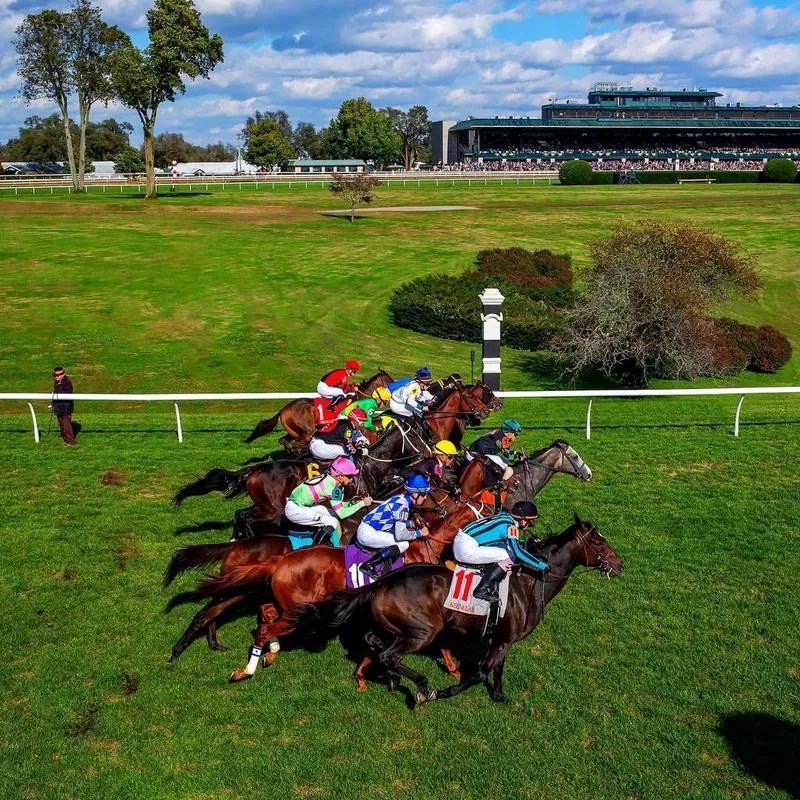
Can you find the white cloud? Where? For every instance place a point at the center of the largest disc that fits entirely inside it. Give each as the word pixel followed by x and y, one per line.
pixel 316 88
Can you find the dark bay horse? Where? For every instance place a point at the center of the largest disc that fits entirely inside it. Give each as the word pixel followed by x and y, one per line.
pixel 458 407
pixel 314 573
pixel 298 419
pixel 408 607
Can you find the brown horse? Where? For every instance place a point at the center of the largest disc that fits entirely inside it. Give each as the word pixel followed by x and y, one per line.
pixel 462 405
pixel 298 419
pixel 408 606
pixel 312 574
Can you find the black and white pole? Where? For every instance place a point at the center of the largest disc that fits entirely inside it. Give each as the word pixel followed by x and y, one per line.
pixel 491 316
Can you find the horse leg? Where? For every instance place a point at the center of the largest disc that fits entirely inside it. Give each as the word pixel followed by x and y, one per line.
pixel 497 661
pixel 201 620
pixel 241 523
pixel 450 664
pixel 268 614
pixel 478 676
pixel 390 658
pixel 358 675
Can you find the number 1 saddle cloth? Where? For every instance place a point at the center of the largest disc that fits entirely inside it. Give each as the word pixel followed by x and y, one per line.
pixel 354 557
pixel 464 582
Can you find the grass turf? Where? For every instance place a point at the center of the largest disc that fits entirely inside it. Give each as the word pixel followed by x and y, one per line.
pixel 622 692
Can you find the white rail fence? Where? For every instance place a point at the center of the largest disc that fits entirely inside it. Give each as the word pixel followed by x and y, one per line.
pixel 589 394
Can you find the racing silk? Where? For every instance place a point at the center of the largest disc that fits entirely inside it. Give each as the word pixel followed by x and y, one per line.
pixel 395 385
pixel 369 406
pixel 323 415
pixel 342 433
pixel 412 395
pixel 392 517
pixel 431 468
pixel 495 444
pixel 325 490
pixel 493 532
pixel 340 379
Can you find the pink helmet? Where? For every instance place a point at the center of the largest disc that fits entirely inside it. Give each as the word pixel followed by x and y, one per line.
pixel 344 466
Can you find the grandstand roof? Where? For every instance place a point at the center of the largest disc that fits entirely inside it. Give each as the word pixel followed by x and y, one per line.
pixel 530 122
pixel 653 92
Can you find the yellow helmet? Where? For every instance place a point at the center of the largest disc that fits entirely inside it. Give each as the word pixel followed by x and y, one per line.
pixel 381 395
pixel 446 448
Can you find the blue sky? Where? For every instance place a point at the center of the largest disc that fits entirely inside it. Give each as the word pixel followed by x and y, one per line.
pixel 481 58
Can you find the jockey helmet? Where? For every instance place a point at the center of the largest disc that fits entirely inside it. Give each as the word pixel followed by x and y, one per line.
pixel 511 426
pixel 417 484
pixel 344 466
pixel 358 414
pixel 353 365
pixel 423 374
pixel 446 448
pixel 525 509
pixel 382 395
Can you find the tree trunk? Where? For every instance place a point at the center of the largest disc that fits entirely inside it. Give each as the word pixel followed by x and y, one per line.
pixel 149 161
pixel 70 151
pixel 352 211
pixel 84 121
pixel 408 157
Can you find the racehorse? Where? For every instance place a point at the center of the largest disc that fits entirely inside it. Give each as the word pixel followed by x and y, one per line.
pixel 408 606
pixel 298 418
pixel 461 406
pixel 314 573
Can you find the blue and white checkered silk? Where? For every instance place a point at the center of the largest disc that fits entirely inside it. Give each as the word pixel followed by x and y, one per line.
pixel 384 517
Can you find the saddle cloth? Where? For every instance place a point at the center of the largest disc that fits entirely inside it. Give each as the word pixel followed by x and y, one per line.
pixel 298 542
pixel 354 557
pixel 325 419
pixel 463 583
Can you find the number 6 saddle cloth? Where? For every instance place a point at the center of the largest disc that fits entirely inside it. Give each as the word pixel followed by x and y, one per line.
pixel 464 582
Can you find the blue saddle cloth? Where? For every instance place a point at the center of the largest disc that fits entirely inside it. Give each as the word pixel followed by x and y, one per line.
pixel 299 542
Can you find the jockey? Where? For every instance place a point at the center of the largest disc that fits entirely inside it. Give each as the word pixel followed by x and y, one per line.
pixel 371 406
pixel 433 467
pixel 305 503
pixel 336 384
pixel 422 373
pixel 341 439
pixel 413 398
pixel 495 541
pixel 496 445
pixel 387 526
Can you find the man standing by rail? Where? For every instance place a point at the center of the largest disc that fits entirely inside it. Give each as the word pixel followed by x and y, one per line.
pixel 63 408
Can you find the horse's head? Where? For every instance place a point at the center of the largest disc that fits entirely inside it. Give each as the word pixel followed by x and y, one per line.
pixel 593 550
pixel 472 403
pixel 488 397
pixel 571 463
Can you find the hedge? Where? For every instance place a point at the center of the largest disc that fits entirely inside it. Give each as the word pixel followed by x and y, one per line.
pixel 575 173
pixel 536 286
pixel 738 346
pixel 780 170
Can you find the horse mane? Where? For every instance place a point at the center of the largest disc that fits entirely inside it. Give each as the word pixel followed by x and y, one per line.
pixel 556 540
pixel 543 450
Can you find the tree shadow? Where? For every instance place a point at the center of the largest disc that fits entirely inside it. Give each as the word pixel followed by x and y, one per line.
pixel 208 525
pixel 766 747
pixel 162 195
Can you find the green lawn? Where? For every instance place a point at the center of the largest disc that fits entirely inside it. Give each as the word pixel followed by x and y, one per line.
pixel 621 693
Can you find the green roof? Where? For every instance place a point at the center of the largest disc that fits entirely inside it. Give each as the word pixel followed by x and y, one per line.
pixel 655 92
pixel 313 162
pixel 545 124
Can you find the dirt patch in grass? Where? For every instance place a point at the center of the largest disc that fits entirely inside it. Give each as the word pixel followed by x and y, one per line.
pixel 113 478
pixel 671 471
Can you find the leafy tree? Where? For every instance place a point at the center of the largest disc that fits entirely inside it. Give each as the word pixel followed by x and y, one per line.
pixel 93 43
pixel 361 131
pixel 281 118
pixel 780 170
pixel 107 138
pixel 169 147
pixel 267 145
pixel 41 140
pixel 129 160
pixel 355 188
pixel 644 309
pixel 180 46
pixel 307 141
pixel 44 52
pixel 413 127
pixel 218 151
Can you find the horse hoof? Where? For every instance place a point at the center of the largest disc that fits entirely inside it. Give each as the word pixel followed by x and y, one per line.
pixel 239 675
pixel 268 660
pixel 361 686
pixel 419 698
pixel 500 698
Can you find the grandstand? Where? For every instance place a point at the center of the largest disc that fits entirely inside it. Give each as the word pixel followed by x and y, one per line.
pixel 656 128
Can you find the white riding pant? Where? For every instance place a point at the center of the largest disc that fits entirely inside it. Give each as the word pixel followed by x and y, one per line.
pixel 468 551
pixel 324 450
pixel 323 390
pixel 369 537
pixel 400 409
pixel 310 515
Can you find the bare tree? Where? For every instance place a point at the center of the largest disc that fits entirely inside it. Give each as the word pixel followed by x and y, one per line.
pixel 643 311
pixel 355 188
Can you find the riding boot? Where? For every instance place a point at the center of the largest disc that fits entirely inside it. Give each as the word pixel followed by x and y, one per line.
pixel 335 402
pixel 376 565
pixel 487 589
pixel 324 535
pixel 426 430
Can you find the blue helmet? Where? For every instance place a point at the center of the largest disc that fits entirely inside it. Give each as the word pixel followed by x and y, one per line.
pixel 424 373
pixel 417 483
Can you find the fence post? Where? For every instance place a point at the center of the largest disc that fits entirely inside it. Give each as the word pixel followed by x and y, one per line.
pixel 35 424
pixel 178 421
pixel 491 317
pixel 589 420
pixel 736 420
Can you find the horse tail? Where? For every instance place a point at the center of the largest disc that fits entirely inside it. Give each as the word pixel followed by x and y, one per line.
pixel 194 557
pixel 333 613
pixel 239 580
pixel 232 483
pixel 264 427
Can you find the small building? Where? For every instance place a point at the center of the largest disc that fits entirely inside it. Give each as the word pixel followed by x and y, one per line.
pixel 321 165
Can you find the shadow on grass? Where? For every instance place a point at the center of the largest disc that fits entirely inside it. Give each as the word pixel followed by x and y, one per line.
pixel 163 195
pixel 766 747
pixel 208 525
